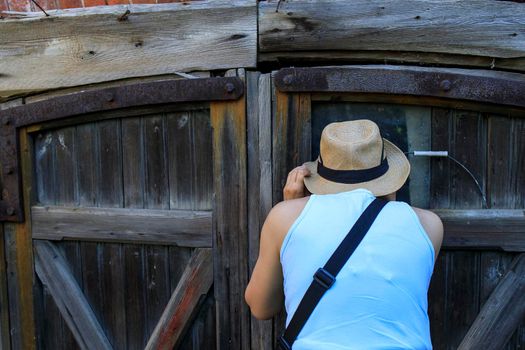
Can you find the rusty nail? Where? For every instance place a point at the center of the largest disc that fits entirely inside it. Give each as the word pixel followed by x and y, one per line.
pixel 110 98
pixel 230 88
pixel 10 211
pixel 445 85
pixel 288 79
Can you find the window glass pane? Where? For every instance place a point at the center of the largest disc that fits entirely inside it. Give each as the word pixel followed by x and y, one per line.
pixel 408 127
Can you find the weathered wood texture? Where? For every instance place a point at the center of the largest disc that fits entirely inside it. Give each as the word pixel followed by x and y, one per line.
pixel 5 339
pixel 56 277
pixel 491 147
pixel 259 114
pixel 291 146
pixel 299 58
pixel 484 229
pixel 502 312
pixel 463 280
pixel 184 228
pixel 18 252
pixel 230 234
pixel 84 46
pixel 398 28
pixel 149 163
pixel 194 284
pixel 291 138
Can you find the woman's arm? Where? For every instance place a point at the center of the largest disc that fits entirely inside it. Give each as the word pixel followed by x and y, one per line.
pixel 264 293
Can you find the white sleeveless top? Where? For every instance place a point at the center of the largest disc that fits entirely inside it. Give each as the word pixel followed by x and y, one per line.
pixel 379 300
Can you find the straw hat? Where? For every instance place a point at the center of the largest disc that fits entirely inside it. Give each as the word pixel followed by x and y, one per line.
pixel 354 155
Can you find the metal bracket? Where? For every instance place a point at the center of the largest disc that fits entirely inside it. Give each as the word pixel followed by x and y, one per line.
pixel 500 88
pixel 79 103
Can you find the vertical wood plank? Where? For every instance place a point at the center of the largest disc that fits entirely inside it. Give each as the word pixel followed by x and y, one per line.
pixel 65 166
pixel 506 161
pixel 463 295
pixel 180 154
pixel 156 196
pixel 253 144
pixel 464 135
pixel 440 167
pixel 53 325
pixel 291 147
pixel 51 188
pixel 438 301
pixel 189 137
pixel 506 180
pixel 110 191
pixel 133 180
pixel 87 150
pixel 259 181
pixel 110 194
pixel 66 194
pixel 135 296
pixel 19 258
pixel 44 163
pixel 468 145
pixel 230 234
pixel 133 162
pixel 292 137
pixel 156 182
pixel 5 338
pixel 202 159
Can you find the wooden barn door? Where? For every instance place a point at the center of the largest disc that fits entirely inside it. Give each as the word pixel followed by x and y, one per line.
pixel 479 278
pixel 135 214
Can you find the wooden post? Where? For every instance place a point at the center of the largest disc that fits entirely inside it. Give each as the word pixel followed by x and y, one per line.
pixel 19 257
pixel 230 237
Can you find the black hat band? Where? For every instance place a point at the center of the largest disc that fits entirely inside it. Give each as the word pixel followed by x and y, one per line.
pixel 352 176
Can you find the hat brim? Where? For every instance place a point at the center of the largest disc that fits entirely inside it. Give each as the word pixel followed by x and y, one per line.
pixel 391 181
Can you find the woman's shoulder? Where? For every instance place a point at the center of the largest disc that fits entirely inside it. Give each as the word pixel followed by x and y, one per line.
pixel 284 214
pixel 433 226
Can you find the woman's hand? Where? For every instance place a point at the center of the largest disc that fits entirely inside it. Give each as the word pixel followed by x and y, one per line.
pixel 294 187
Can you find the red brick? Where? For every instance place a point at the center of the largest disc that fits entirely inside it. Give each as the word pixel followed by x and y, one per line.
pixel 69 4
pixel 19 5
pixel 46 4
pixel 141 1
pixel 3 5
pixel 117 2
pixel 90 3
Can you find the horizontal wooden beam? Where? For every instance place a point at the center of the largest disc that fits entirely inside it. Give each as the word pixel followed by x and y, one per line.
pixel 500 88
pixel 378 56
pixel 71 302
pixel 84 46
pixel 477 28
pixel 194 284
pixel 185 228
pixel 502 313
pixel 484 229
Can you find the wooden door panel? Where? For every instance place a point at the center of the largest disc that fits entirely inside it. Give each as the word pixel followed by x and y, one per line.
pixel 489 140
pixel 157 165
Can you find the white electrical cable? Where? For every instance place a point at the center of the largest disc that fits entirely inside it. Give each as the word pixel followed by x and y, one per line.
pixel 431 153
pixel 445 154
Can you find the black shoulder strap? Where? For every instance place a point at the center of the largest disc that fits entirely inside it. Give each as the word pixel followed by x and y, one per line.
pixel 324 278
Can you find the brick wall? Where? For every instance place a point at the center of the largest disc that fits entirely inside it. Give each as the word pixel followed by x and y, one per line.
pixel 28 5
